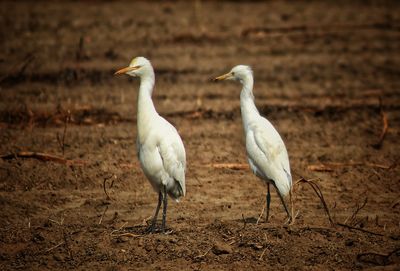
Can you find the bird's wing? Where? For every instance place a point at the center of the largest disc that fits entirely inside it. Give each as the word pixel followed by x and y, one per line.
pixel 272 157
pixel 173 155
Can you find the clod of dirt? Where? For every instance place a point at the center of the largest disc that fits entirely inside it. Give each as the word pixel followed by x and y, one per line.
pixel 58 257
pixel 349 243
pixel 121 239
pixel 37 238
pixel 395 237
pixel 220 248
pixel 257 246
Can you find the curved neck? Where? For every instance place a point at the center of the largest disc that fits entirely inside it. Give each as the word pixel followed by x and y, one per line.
pixel 145 107
pixel 247 106
pixel 147 83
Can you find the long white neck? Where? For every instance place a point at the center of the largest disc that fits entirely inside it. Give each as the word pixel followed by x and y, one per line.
pixel 247 106
pixel 145 108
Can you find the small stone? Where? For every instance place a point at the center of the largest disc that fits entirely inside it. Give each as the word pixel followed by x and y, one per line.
pixel 257 246
pixel 37 238
pixel 220 248
pixel 58 257
pixel 349 242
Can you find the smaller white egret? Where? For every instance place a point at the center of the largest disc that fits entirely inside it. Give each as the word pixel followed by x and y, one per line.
pixel 160 149
pixel 266 151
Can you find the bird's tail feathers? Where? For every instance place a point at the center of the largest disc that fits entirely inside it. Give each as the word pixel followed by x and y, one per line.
pixel 178 190
pixel 284 186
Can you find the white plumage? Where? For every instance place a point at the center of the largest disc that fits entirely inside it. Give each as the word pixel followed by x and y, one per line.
pixel 266 151
pixel 160 148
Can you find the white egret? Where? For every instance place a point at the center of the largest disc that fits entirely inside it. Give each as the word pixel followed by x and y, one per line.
pixel 266 151
pixel 160 149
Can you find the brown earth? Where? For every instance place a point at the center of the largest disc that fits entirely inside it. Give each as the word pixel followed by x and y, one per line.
pixel 320 70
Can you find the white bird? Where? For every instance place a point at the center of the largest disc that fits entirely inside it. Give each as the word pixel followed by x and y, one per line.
pixel 266 151
pixel 160 149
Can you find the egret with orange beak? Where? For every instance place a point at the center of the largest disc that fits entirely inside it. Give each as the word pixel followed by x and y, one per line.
pixel 160 149
pixel 266 151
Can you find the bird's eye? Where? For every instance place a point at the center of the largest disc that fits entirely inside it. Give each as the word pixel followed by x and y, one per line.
pixel 233 73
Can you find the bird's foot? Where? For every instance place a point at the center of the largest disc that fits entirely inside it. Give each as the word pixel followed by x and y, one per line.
pixel 154 229
pixel 150 229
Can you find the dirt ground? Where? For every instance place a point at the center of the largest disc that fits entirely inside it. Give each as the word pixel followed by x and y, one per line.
pixel 320 70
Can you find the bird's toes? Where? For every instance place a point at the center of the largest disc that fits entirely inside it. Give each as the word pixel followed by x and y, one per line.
pixel 168 231
pixel 150 229
pixel 154 229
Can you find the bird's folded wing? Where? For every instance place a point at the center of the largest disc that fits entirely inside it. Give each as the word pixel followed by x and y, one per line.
pixel 271 144
pixel 174 161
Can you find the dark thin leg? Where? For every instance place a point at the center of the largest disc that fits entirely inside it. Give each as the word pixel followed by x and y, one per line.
pixel 154 220
pixel 164 215
pixel 268 202
pixel 284 205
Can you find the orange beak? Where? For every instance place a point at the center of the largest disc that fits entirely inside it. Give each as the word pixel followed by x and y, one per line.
pixel 127 69
pixel 223 77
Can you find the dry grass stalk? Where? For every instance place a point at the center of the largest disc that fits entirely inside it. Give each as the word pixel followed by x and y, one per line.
pixel 385 126
pixel 261 214
pixel 101 218
pixel 262 254
pixel 318 192
pixel 104 185
pixel 292 209
pixel 61 141
pixel 352 218
pixel 54 247
pixel 203 255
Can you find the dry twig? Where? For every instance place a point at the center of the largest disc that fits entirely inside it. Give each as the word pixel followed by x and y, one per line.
pixel 262 254
pixel 331 166
pixel 57 222
pixel 118 230
pixel 43 157
pixel 352 218
pixel 61 141
pixel 234 166
pixel 18 70
pixel 244 222
pixel 318 192
pixel 385 126
pixel 205 254
pixel 127 234
pixel 294 216
pixel 261 214
pixel 104 185
pixel 358 229
pixel 101 218
pixel 80 55
pixel 66 241
pixel 54 247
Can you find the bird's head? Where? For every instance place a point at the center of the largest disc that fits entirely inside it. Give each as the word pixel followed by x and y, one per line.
pixel 138 67
pixel 238 73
